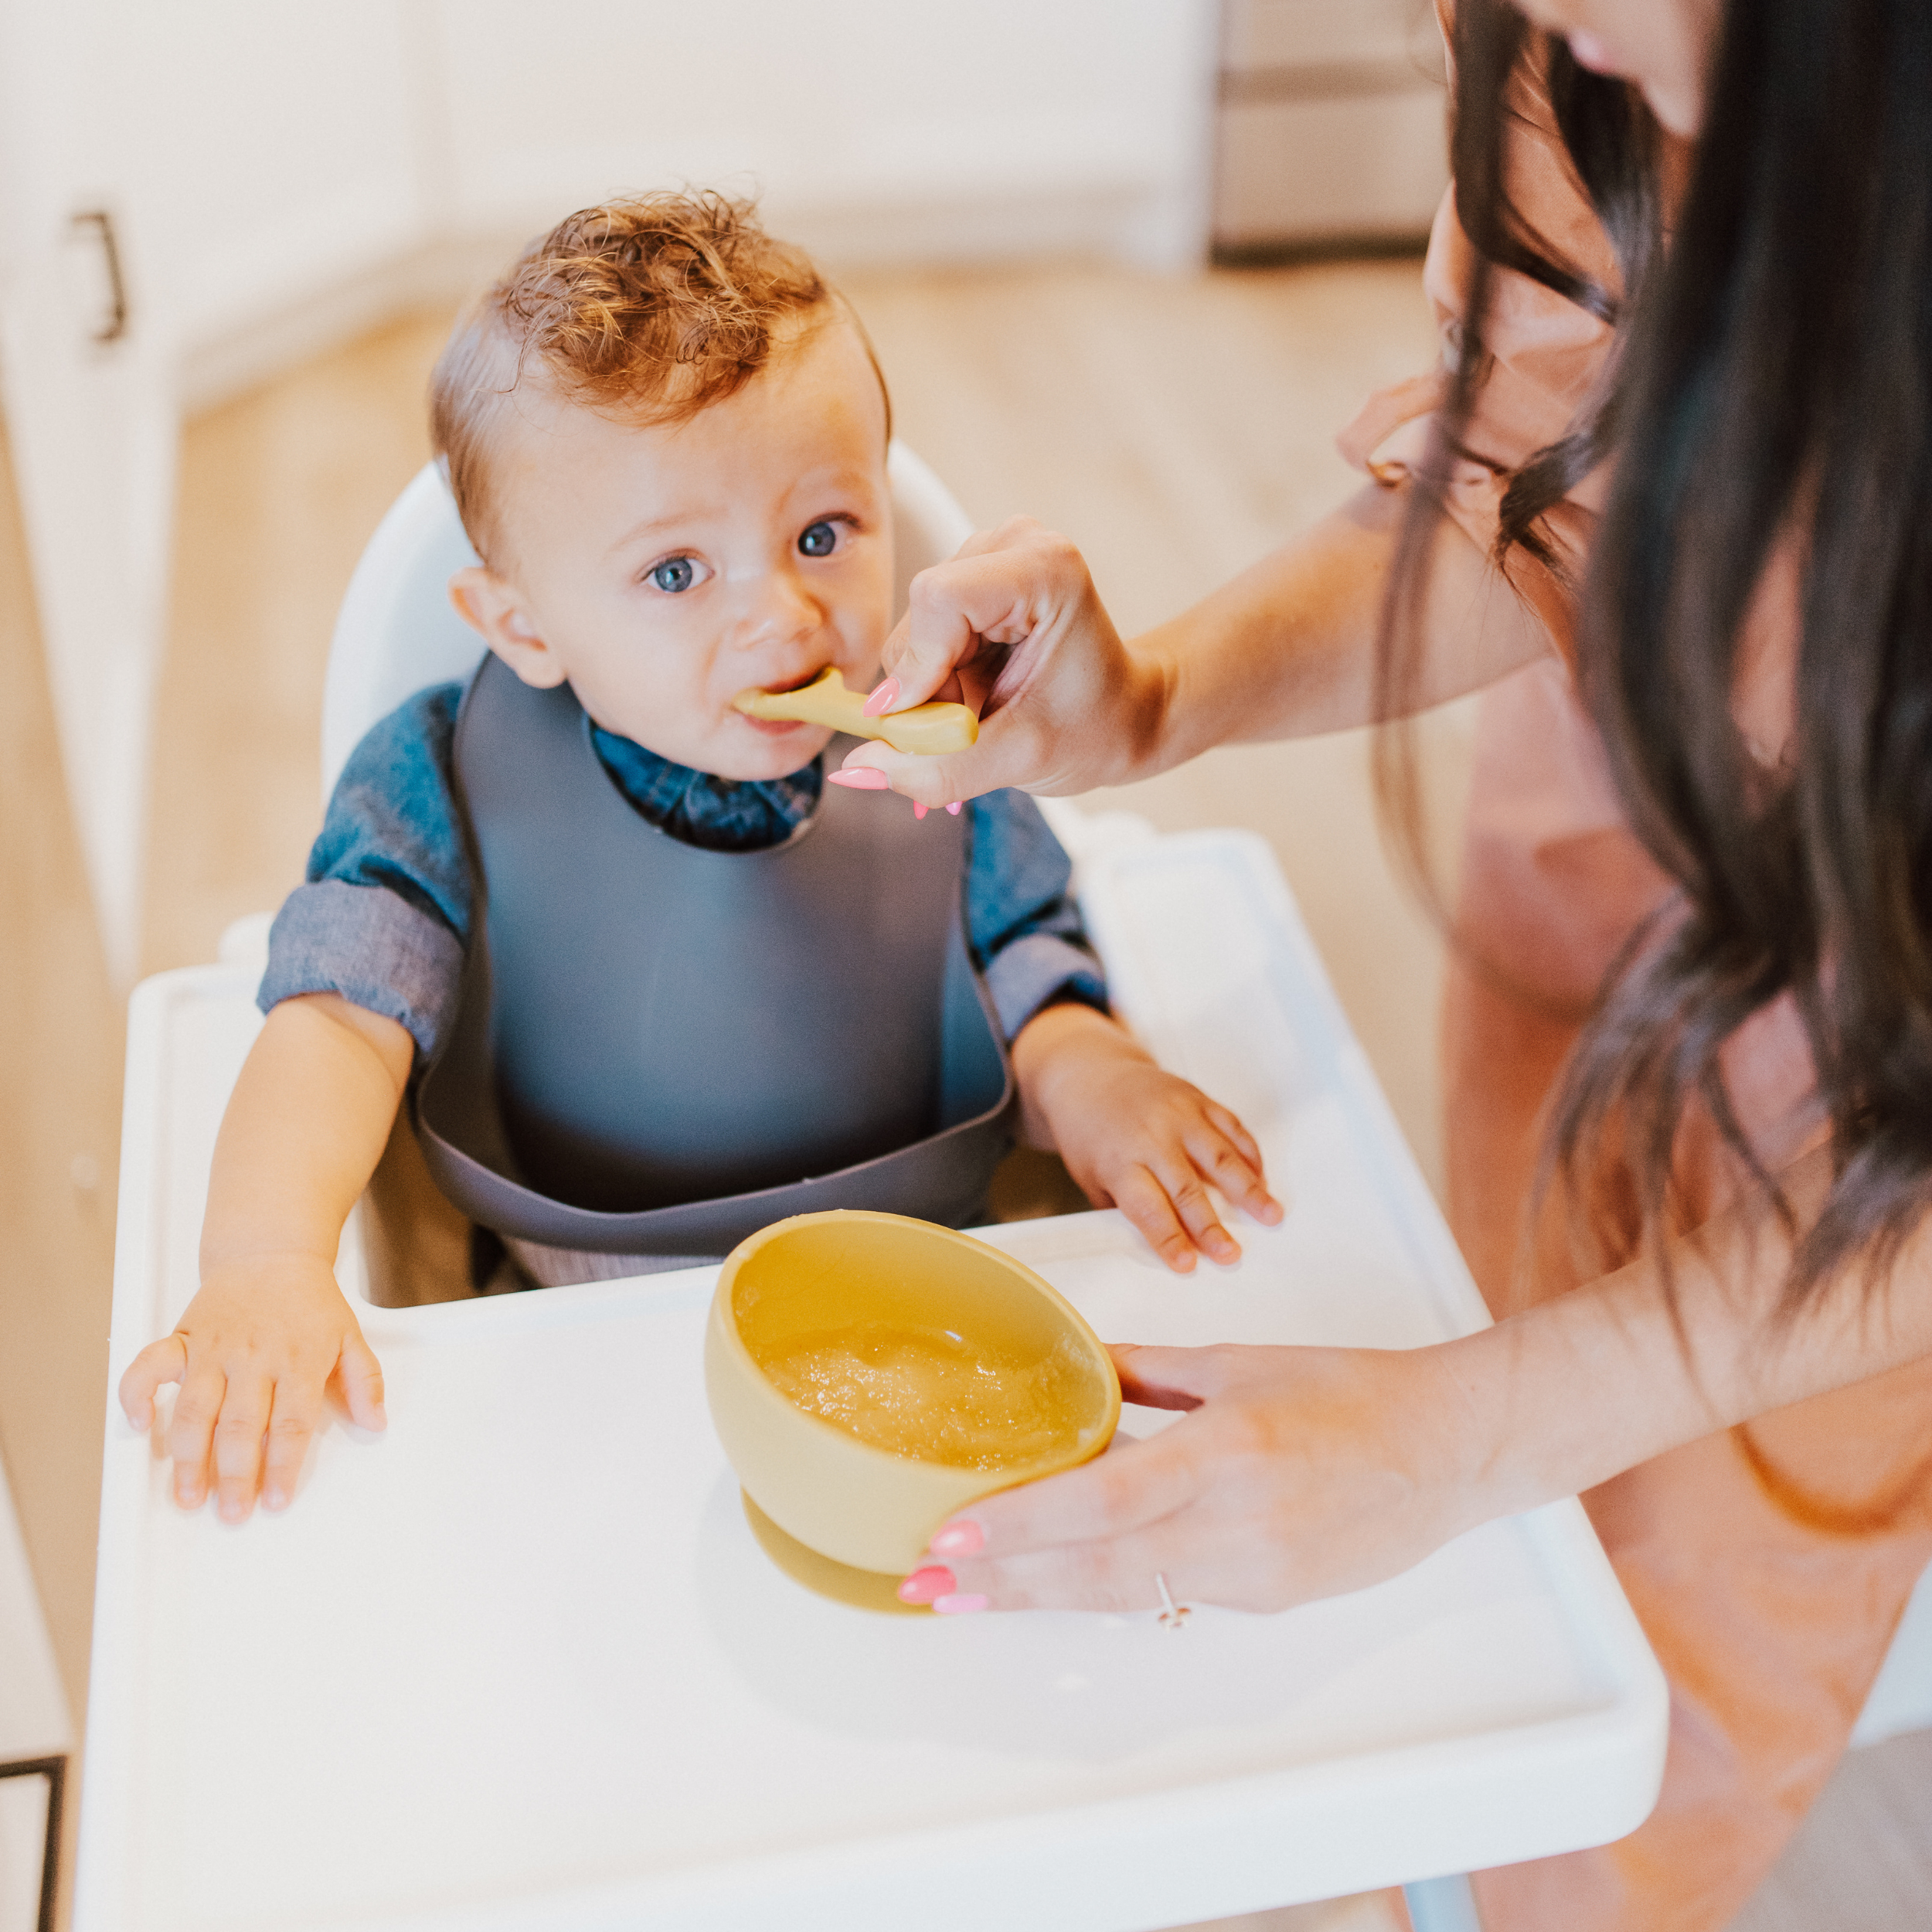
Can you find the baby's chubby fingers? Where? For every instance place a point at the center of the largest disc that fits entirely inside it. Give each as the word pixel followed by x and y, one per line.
pixel 362 1375
pixel 1231 1128
pixel 1233 1166
pixel 191 1430
pixel 1139 1194
pixel 238 1443
pixel 157 1364
pixel 292 1423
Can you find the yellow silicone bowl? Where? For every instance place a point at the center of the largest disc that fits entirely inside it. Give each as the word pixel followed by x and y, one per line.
pixel 817 1282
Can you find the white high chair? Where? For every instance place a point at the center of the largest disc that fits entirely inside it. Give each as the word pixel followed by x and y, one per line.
pixel 1496 1704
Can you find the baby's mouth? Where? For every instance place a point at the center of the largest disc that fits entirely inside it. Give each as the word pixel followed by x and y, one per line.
pixel 797 683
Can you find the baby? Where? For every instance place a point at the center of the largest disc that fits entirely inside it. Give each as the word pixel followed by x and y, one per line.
pixel 645 981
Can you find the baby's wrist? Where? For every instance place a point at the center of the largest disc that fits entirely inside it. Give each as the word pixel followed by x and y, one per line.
pixel 262 1258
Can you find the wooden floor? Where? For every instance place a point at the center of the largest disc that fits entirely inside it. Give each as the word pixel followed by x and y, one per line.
pixel 1175 428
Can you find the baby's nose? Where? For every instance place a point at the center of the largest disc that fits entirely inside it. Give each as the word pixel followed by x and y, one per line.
pixel 781 607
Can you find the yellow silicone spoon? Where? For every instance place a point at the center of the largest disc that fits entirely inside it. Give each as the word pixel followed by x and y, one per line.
pixel 927 730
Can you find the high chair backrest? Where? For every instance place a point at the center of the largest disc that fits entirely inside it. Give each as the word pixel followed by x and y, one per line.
pixel 396 631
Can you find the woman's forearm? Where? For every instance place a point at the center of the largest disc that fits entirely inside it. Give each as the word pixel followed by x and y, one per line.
pixel 1582 1387
pixel 1288 649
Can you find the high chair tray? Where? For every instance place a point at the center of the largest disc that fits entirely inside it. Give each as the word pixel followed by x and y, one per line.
pixel 520 1663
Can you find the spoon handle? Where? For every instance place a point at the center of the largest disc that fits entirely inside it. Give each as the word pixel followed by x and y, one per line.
pixel 925 730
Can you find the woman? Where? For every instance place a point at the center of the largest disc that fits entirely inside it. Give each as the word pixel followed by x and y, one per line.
pixel 1671 501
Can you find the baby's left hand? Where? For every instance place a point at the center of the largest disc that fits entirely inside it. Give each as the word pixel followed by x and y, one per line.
pixel 1136 1136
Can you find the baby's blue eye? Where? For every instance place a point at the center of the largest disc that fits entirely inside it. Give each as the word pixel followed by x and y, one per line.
pixel 820 539
pixel 674 574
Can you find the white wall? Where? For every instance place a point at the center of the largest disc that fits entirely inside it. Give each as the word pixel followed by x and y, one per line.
pixel 876 127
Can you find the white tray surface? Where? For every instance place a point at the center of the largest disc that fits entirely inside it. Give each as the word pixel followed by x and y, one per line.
pixel 518 1662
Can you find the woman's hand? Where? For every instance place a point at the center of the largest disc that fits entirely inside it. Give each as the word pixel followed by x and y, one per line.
pixel 1136 1136
pixel 1304 1472
pixel 256 1353
pixel 1012 627
pixel 1300 1473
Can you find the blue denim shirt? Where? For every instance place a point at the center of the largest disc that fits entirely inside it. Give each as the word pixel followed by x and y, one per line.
pixel 384 919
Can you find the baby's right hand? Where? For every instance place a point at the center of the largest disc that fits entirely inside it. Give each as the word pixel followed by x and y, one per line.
pixel 254 1352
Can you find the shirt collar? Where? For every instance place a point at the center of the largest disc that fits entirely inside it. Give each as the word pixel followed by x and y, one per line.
pixel 722 814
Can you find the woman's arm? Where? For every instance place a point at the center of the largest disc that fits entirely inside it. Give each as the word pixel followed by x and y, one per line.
pixel 1306 1472
pixel 1013 626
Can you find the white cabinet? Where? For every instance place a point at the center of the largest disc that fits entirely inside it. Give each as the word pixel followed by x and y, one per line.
pixel 266 151
pixel 225 159
pixel 92 431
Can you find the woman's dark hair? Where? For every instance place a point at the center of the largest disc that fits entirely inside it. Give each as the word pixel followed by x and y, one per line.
pixel 1772 387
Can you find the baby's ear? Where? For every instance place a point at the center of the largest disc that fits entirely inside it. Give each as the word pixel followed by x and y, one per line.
pixel 495 608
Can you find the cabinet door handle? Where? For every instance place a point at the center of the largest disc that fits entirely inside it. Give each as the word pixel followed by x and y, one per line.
pixel 103 223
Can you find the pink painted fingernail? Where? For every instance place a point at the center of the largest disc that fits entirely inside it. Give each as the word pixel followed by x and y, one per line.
pixel 923 1586
pixel 918 811
pixel 958 1539
pixel 862 778
pixel 273 1499
pixel 953 808
pixel 959 1606
pixel 882 699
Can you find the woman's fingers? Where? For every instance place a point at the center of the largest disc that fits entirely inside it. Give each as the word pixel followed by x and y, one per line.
pixel 1011 628
pixel 964 616
pixel 1135 1484
pixel 238 1444
pixel 1119 1574
pixel 1156 1378
pixel 160 1363
pixel 1301 1473
pixel 927 781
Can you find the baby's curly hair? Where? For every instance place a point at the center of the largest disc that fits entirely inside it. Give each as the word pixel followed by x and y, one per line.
pixel 649 308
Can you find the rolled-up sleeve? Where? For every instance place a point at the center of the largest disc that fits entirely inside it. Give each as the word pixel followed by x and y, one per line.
pixel 383 919
pixel 1026 932
pixel 371 946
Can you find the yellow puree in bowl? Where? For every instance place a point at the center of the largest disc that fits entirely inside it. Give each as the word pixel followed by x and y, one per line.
pixel 927 1394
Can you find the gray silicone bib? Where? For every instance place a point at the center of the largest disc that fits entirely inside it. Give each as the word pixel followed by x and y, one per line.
pixel 661 1049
